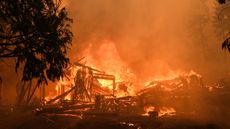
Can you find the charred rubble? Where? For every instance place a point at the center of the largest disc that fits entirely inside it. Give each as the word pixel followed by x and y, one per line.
pixel 159 102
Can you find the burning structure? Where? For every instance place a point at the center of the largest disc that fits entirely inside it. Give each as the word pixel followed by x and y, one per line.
pixel 82 91
pixel 87 91
pixel 91 94
pixel 85 87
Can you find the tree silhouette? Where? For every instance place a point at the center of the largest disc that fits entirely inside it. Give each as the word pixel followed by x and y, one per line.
pixel 226 42
pixel 36 33
pixel 222 1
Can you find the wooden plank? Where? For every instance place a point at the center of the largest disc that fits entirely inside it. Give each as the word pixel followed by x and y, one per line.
pixel 61 96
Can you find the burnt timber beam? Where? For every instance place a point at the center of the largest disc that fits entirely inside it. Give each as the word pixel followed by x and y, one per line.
pixel 62 95
pixel 106 77
pixel 93 69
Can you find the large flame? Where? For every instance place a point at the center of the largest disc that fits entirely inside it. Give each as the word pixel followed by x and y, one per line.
pixel 162 111
pixel 106 58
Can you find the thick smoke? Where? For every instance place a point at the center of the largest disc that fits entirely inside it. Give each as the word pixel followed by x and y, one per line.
pixel 178 34
pixel 155 36
pixel 151 36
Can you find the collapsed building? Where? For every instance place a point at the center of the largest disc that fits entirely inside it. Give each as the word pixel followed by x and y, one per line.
pixel 86 93
pixel 89 91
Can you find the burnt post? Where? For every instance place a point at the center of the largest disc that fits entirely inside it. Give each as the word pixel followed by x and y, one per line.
pixel 1 92
pixel 113 86
pixel 98 102
pixel 106 77
pixel 42 93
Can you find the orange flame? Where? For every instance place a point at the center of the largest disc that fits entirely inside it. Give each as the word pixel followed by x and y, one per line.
pixel 167 111
pixel 148 109
pixel 106 58
pixel 163 111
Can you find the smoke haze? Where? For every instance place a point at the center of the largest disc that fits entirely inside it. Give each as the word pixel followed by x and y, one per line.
pixel 152 35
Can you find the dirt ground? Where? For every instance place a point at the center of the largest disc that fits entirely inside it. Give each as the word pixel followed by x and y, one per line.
pixel 29 120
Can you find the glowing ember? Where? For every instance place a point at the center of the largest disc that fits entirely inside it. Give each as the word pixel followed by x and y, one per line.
pixel 106 58
pixel 162 111
pixel 106 83
pixel 148 109
pixel 169 111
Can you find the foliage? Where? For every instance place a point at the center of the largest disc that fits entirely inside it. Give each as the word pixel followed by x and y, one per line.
pixel 222 1
pixel 226 43
pixel 37 34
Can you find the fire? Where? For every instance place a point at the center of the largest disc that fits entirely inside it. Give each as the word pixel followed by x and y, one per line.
pixel 162 111
pixel 106 61
pixel 106 58
pixel 64 84
pixel 172 83
pixel 67 82
pixel 106 84
pixel 167 111
pixel 148 109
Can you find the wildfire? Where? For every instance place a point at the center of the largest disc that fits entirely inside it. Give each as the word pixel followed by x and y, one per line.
pixel 148 109
pixel 162 111
pixel 106 59
pixel 64 84
pixel 167 111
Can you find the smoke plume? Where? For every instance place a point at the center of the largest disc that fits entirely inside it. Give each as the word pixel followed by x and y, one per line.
pixel 152 36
